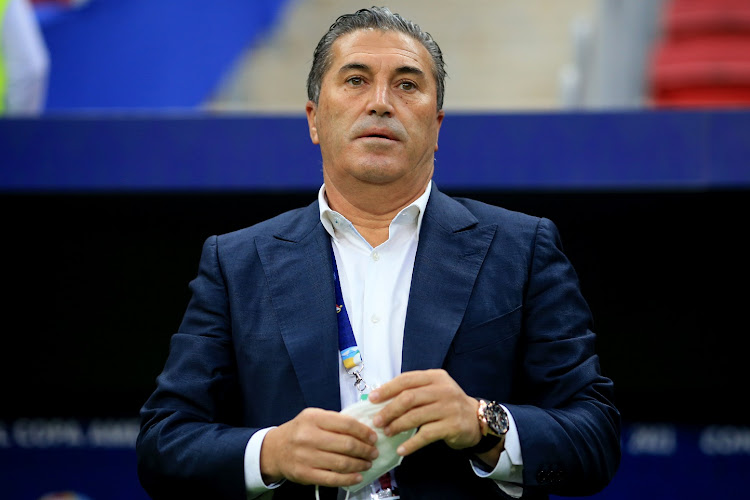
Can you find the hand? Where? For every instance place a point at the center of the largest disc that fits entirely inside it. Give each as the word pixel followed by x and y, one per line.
pixel 431 401
pixel 318 447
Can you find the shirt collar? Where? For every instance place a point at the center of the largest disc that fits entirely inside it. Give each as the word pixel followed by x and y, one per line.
pixel 411 214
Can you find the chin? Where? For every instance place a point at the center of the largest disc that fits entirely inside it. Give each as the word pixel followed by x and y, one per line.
pixel 380 172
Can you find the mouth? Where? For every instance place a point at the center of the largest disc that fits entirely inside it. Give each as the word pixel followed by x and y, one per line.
pixel 378 134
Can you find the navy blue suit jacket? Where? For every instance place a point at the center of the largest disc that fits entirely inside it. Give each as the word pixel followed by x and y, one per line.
pixel 494 301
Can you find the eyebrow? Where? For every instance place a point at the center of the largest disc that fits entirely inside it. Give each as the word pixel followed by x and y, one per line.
pixel 401 70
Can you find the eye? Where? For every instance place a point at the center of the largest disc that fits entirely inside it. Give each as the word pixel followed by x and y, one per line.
pixel 407 85
pixel 355 80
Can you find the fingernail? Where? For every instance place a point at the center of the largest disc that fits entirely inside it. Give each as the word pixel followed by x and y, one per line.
pixel 377 421
pixel 373 438
pixel 401 450
pixel 374 395
pixel 387 431
pixel 358 477
pixel 374 454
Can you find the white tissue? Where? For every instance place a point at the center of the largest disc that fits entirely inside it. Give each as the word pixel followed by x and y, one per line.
pixel 364 411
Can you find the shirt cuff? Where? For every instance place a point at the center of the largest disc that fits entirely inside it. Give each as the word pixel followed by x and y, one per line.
pixel 253 479
pixel 508 473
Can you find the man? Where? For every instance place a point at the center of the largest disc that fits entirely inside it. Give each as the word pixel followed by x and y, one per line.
pixel 468 318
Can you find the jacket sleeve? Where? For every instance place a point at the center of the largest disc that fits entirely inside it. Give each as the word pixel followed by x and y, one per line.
pixel 570 433
pixel 190 443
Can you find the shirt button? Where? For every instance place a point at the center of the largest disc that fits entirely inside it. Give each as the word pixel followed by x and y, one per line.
pixel 375 318
pixel 375 256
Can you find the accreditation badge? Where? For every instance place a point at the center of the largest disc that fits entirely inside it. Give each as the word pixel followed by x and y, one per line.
pixel 385 488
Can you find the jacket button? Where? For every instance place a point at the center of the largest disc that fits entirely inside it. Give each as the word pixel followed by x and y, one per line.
pixel 543 476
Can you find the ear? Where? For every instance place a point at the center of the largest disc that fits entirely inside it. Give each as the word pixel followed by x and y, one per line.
pixel 312 110
pixel 440 116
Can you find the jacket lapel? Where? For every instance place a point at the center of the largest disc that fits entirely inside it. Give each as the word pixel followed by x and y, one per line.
pixel 297 264
pixel 452 247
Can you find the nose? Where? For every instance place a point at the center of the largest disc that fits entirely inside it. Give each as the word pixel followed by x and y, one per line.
pixel 380 100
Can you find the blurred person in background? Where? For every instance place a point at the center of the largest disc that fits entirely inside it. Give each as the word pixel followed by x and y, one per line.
pixel 24 60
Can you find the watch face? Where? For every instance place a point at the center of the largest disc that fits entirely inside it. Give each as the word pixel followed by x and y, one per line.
pixel 497 419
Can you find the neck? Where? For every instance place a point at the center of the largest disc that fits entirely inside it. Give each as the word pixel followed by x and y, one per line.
pixel 371 210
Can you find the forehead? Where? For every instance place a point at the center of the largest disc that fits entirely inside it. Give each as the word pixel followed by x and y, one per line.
pixel 373 44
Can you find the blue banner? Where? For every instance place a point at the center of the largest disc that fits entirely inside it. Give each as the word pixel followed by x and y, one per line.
pixel 638 150
pixel 95 459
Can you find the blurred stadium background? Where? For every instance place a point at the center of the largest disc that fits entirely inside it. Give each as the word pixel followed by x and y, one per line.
pixel 162 122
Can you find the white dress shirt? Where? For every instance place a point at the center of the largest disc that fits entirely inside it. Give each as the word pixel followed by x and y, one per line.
pixel 375 284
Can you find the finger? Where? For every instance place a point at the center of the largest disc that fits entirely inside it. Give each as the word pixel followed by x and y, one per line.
pixel 333 462
pixel 343 445
pixel 406 380
pixel 310 465
pixel 332 479
pixel 346 425
pixel 304 474
pixel 414 418
pixel 413 389
pixel 316 429
pixel 438 387
pixel 404 403
pixel 426 434
pixel 328 478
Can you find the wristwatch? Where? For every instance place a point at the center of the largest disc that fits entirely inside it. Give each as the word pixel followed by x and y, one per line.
pixel 493 423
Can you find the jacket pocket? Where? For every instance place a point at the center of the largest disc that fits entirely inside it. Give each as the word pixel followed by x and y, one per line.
pixel 488 332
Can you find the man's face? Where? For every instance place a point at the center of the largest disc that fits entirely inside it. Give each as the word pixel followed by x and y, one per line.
pixel 376 120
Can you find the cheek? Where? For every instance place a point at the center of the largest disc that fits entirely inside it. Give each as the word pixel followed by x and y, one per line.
pixel 331 133
pixel 336 125
pixel 417 103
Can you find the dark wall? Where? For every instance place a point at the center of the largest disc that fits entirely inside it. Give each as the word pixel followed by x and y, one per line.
pixel 96 283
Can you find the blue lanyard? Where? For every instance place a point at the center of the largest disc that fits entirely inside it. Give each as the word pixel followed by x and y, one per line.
pixel 348 349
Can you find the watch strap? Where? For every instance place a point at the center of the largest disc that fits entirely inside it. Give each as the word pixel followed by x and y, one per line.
pixel 484 445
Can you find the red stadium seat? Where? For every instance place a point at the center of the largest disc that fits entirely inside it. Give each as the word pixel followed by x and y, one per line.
pixel 703 56
pixel 699 18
